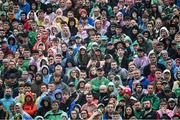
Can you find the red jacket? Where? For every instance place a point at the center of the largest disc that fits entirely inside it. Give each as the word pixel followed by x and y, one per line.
pixel 30 107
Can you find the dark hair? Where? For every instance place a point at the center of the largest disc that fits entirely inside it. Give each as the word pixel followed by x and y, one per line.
pixel 128 116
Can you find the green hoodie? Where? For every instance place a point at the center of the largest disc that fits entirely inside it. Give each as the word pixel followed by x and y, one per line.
pixel 55 116
pixel 97 82
pixel 154 100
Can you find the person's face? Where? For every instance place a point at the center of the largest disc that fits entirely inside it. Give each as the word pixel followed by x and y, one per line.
pixel 140 53
pixel 100 73
pixel 163 105
pixel 167 75
pixel 138 89
pixel 83 75
pixel 34 26
pixel 1 55
pixel 147 104
pixel 137 106
pixel 89 98
pixel 74 114
pixel 41 15
pixel 28 99
pixel 43 88
pixel 120 90
pixel 63 47
pixel 11 65
pixel 72 88
pixel 84 114
pixel 128 111
pixel 152 58
pixel 150 89
pixel 51 87
pixel 68 4
pixel 55 106
pixel 98 24
pixel 137 74
pixel 17 109
pixel 159 85
pixel 153 68
pixel 172 104
pixel 25 75
pixel 172 30
pixel 88 87
pixel 45 71
pixel 38 78
pixel 21 89
pixel 175 12
pixel 50 60
pixel 169 62
pixel 114 65
pixel 6 26
pixel 110 108
pixel 27 89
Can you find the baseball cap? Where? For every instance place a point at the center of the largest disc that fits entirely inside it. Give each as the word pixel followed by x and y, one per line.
pixel 71 84
pixel 171 100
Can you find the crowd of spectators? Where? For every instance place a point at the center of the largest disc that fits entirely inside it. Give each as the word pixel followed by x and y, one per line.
pixel 89 59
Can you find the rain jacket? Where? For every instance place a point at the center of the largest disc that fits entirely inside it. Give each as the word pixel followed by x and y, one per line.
pixel 25 115
pixel 12 47
pixel 7 102
pixel 44 109
pixel 46 78
pixel 154 100
pixel 55 116
pixel 29 107
pixel 97 82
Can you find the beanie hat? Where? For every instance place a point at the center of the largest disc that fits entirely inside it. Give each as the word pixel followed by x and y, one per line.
pixel 127 91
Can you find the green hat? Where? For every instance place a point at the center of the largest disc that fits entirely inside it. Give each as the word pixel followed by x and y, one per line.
pixel 135 43
pixel 104 38
pixel 177 92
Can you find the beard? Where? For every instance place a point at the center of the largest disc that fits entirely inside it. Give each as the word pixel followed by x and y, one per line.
pixel 147 108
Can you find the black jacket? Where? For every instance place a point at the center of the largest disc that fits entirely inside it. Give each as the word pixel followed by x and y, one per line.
pixel 150 115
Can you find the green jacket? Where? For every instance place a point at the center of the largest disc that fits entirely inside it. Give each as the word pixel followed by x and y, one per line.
pixel 32 36
pixel 97 82
pixel 55 116
pixel 138 114
pixel 154 100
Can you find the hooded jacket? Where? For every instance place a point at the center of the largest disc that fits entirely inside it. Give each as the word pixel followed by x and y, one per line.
pixel 25 115
pixel 55 116
pixel 46 78
pixel 12 47
pixel 44 109
pixel 29 107
pixel 142 80
pixel 7 102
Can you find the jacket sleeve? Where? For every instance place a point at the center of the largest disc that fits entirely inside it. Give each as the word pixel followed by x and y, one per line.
pixel 95 86
pixel 32 111
pixel 156 103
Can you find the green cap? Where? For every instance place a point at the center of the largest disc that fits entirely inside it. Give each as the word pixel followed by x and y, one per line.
pixel 177 92
pixel 135 43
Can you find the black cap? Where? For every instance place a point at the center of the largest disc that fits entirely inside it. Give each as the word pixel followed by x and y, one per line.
pixel 140 49
pixel 100 69
pixel 71 84
pixel 167 89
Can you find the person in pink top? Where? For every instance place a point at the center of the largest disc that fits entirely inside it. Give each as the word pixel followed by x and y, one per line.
pixel 163 111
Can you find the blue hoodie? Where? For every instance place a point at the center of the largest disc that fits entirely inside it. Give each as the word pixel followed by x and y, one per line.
pixel 7 102
pixel 12 47
pixel 142 80
pixel 46 78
